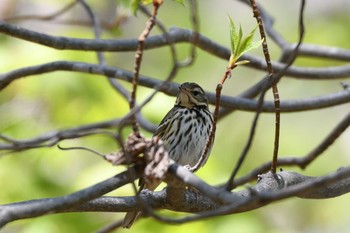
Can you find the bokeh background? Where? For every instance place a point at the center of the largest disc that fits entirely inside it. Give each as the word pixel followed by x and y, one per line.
pixel 35 105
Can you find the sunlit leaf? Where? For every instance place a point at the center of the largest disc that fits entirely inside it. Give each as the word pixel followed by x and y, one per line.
pixel 240 35
pixel 252 45
pixel 234 37
pixel 240 46
pixel 135 6
pixel 245 43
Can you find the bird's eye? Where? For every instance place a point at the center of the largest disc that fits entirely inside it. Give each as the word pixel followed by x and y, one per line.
pixel 195 93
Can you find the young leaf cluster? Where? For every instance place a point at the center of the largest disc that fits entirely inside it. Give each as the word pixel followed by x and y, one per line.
pixel 241 45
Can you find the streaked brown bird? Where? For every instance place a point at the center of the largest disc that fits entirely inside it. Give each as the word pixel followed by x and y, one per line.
pixel 185 131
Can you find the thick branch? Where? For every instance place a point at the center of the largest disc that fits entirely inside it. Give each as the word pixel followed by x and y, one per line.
pixel 34 208
pixel 270 188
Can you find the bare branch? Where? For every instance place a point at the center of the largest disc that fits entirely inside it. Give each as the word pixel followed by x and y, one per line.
pixel 304 161
pixel 337 98
pixel 52 138
pixel 39 207
pixel 198 197
pixel 44 17
pixel 177 35
pixel 270 188
pixel 276 97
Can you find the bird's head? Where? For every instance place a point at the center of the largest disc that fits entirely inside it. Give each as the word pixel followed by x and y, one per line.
pixel 191 95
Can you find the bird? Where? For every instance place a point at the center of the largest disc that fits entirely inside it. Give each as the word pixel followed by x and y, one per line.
pixel 185 131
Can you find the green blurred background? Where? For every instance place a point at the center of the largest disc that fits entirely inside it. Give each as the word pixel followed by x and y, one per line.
pixel 34 105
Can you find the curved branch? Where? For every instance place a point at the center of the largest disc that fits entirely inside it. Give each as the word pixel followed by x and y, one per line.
pixel 50 16
pixel 312 50
pixel 34 208
pixel 175 35
pixel 270 188
pixel 53 137
pixel 304 161
pixel 337 98
pixel 211 201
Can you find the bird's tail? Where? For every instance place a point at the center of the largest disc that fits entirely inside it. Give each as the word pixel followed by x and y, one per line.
pixel 131 216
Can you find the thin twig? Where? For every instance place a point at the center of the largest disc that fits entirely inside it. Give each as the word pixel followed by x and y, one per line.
pixel 164 30
pixel 328 141
pixel 52 138
pixel 276 97
pixel 231 181
pixel 193 5
pixel 138 58
pixel 44 17
pixel 81 148
pixel 102 61
pixel 304 161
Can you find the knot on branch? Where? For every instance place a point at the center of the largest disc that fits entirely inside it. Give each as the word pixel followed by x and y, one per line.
pixel 271 180
pixel 149 154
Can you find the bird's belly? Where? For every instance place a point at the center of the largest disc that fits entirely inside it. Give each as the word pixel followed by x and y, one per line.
pixel 187 136
pixel 189 151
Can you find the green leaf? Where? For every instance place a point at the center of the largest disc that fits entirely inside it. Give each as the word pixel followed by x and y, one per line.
pixel 240 35
pixel 240 46
pixel 246 43
pixel 253 45
pixel 135 6
pixel 234 37
pixel 249 44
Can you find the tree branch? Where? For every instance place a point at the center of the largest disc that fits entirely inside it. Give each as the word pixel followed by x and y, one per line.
pixel 304 161
pixel 171 88
pixel 207 200
pixel 176 35
pixel 34 208
pixel 210 202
